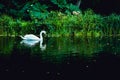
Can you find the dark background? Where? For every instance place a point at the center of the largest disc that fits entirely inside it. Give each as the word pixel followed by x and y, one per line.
pixel 102 6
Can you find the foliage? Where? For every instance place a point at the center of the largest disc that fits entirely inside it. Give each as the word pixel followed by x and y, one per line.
pixel 10 26
pixel 6 23
pixel 20 11
pixel 112 25
pixel 38 11
pixel 65 6
pixel 91 22
pixel 60 3
pixel 34 9
pixel 60 24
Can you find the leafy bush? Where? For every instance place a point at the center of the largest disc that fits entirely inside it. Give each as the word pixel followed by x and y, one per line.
pixel 38 11
pixel 6 23
pixel 65 6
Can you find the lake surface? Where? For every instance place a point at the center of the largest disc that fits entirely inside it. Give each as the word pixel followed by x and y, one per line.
pixel 60 58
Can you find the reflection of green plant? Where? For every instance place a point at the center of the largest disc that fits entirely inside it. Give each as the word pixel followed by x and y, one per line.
pixel 6 45
pixel 61 48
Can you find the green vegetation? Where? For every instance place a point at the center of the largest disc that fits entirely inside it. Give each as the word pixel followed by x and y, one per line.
pixel 61 24
pixel 66 20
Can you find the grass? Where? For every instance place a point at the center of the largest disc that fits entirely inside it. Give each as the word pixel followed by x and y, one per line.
pixel 86 24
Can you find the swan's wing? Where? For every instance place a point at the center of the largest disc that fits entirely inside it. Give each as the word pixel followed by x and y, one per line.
pixel 31 36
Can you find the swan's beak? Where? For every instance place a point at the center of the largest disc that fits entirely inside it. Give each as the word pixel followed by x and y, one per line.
pixel 45 34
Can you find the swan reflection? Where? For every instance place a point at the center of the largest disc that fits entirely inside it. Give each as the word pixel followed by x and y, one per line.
pixel 31 43
pixel 42 46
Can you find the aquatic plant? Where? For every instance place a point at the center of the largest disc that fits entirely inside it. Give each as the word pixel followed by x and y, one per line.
pixel 112 25
pixel 91 23
pixel 87 23
pixel 61 23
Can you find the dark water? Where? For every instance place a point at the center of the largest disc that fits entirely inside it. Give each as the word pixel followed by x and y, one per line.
pixel 60 58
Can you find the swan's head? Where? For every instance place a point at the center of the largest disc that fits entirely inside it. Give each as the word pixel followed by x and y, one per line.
pixel 44 32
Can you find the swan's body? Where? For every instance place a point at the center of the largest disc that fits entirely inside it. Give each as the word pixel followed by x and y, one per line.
pixel 33 37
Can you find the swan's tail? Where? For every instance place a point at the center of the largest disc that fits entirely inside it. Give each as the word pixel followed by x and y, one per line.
pixel 22 37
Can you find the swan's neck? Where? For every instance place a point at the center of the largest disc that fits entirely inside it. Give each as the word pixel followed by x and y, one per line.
pixel 43 47
pixel 41 37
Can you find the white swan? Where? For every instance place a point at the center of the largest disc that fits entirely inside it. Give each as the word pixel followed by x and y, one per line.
pixel 31 40
pixel 33 37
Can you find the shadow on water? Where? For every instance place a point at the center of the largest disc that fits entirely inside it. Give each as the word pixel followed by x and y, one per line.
pixel 63 58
